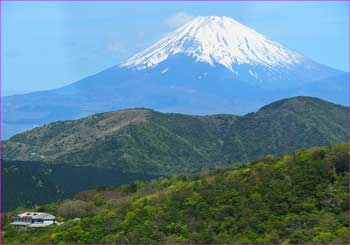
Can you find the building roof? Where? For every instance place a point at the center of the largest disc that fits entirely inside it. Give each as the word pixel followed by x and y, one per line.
pixel 37 225
pixel 20 223
pixel 36 215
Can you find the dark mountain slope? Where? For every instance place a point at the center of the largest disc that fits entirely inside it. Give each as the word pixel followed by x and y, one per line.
pixel 26 184
pixel 286 125
pixel 135 140
pixel 145 141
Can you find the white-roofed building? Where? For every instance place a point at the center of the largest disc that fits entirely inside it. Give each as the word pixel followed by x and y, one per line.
pixel 33 220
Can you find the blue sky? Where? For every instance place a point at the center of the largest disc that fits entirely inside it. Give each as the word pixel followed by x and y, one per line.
pixel 49 44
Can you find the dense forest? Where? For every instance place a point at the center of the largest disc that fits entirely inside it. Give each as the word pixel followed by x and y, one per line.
pixel 144 141
pixel 58 160
pixel 300 197
pixel 25 184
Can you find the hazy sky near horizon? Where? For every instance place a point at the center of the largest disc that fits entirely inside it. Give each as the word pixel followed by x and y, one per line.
pixel 50 44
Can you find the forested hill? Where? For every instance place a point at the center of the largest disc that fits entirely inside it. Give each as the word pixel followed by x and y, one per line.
pixel 148 142
pixel 299 197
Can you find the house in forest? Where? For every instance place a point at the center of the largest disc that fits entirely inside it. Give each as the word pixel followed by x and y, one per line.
pixel 33 220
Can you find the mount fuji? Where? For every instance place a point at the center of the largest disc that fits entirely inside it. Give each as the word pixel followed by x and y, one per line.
pixel 210 65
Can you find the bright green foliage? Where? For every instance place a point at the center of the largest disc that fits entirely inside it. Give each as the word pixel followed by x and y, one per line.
pixel 296 198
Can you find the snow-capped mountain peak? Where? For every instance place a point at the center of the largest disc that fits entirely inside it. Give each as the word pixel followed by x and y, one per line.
pixel 216 40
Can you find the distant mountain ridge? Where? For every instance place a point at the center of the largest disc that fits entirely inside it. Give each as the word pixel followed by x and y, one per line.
pixel 210 65
pixel 149 142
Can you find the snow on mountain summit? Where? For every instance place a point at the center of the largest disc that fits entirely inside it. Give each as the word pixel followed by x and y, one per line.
pixel 211 65
pixel 217 40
